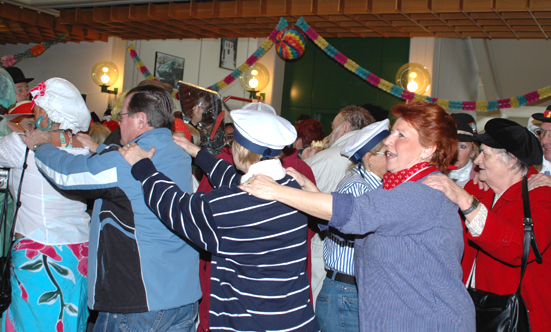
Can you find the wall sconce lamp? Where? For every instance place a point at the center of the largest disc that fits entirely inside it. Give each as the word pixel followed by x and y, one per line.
pixel 255 79
pixel 413 77
pixel 105 74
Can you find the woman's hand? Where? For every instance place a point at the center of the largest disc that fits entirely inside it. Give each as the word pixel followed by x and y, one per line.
pixel 539 180
pixel 87 141
pixel 308 152
pixel 455 193
pixel 261 186
pixel 303 181
pixel 31 138
pixel 133 153
pixel 180 139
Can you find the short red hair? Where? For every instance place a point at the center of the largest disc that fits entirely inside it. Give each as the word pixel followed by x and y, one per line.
pixel 435 128
pixel 310 130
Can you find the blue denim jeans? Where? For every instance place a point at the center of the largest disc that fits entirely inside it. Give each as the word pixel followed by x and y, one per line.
pixel 337 307
pixel 180 319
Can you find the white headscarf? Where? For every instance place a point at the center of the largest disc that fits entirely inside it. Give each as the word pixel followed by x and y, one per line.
pixel 63 103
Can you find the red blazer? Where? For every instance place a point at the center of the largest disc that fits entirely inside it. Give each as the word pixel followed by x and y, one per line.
pixel 501 244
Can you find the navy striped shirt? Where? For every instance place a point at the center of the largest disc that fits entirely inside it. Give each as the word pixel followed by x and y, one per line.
pixel 258 276
pixel 338 252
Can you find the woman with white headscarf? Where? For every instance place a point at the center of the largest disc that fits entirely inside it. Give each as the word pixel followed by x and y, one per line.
pixel 50 252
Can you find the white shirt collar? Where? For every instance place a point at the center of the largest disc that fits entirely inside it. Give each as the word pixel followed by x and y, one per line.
pixel 271 168
pixel 462 174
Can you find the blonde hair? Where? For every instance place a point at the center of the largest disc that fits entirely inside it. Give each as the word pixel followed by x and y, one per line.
pixel 195 135
pixel 98 132
pixel 247 157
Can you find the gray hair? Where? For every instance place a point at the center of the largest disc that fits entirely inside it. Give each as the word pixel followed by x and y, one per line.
pixel 155 102
pixel 508 158
pixel 357 116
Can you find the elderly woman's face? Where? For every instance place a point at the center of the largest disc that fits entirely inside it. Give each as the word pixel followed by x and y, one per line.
pixel 465 152
pixel 492 168
pixel 403 148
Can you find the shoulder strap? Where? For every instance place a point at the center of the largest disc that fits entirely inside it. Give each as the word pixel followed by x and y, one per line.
pixel 529 238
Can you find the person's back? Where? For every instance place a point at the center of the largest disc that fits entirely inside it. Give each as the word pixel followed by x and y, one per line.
pixel 137 267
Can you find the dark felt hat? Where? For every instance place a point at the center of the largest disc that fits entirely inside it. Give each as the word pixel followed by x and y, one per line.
pixel 506 134
pixel 543 117
pixel 17 75
pixel 466 127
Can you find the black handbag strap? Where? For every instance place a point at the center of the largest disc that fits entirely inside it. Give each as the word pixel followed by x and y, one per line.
pixel 4 214
pixel 529 237
pixel 16 210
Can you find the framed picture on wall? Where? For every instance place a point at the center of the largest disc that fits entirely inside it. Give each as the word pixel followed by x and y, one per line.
pixel 228 53
pixel 169 68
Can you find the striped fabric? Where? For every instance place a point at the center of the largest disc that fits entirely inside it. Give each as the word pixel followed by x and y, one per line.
pixel 258 276
pixel 338 252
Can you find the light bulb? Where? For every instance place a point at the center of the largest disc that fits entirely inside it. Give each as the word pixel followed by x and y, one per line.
pixel 105 69
pixel 412 86
pixel 105 78
pixel 254 72
pixel 253 82
pixel 413 74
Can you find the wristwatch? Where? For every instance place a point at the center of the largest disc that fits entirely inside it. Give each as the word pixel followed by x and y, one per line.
pixel 36 147
pixel 471 208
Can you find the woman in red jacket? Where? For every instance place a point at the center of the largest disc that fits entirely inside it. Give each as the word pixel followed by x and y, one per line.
pixel 494 219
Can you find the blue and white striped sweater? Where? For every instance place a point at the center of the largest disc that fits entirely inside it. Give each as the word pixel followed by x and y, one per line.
pixel 258 278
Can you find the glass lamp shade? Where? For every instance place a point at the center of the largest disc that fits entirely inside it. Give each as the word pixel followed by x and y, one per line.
pixel 256 78
pixel 413 77
pixel 105 73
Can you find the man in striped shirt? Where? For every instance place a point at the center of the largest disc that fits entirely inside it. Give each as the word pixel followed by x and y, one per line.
pixel 337 303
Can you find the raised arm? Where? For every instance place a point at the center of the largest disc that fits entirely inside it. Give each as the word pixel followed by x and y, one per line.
pixel 316 204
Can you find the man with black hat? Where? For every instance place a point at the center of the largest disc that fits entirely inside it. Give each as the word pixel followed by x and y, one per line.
pixel 544 134
pixel 21 83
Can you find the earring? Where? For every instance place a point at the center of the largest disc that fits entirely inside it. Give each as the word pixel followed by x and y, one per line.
pixel 40 120
pixel 370 165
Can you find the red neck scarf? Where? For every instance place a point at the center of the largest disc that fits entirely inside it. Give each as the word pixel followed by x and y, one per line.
pixel 414 173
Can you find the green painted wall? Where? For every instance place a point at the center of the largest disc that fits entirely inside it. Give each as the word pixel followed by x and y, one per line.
pixel 318 85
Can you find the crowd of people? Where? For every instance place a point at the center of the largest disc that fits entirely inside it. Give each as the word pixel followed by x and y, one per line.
pixel 381 229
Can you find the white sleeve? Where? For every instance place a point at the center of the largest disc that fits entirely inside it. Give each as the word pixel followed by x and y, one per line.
pixel 476 226
pixel 12 150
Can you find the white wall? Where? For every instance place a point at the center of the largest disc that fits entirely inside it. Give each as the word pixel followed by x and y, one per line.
pixel 202 57
pixel 74 62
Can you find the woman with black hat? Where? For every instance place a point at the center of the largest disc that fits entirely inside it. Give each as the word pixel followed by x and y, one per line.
pixel 494 219
pixel 258 275
pixel 467 149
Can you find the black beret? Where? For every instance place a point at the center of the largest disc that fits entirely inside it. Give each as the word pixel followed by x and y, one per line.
pixel 506 134
pixel 466 127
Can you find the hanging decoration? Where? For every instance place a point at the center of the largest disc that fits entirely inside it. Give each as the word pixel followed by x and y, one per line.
pixel 479 106
pixel 143 69
pixel 33 52
pixel 290 44
pixel 266 45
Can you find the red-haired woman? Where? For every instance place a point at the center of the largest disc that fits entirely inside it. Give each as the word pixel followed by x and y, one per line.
pixel 408 268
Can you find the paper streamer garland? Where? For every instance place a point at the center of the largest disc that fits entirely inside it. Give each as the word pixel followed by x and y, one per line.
pixel 143 69
pixel 36 50
pixel 266 45
pixel 480 106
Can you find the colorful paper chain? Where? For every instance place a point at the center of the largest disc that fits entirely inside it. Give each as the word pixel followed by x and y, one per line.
pixel 34 51
pixel 143 69
pixel 259 53
pixel 483 106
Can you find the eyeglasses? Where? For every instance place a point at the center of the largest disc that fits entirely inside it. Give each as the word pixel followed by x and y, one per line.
pixel 542 133
pixel 121 114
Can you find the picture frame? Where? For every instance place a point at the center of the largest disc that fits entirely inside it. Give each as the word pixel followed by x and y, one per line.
pixel 169 68
pixel 228 53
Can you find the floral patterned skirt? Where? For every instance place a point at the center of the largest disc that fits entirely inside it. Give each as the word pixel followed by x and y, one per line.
pixel 48 287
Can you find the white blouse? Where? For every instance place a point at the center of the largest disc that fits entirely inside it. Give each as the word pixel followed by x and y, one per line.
pixel 45 215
